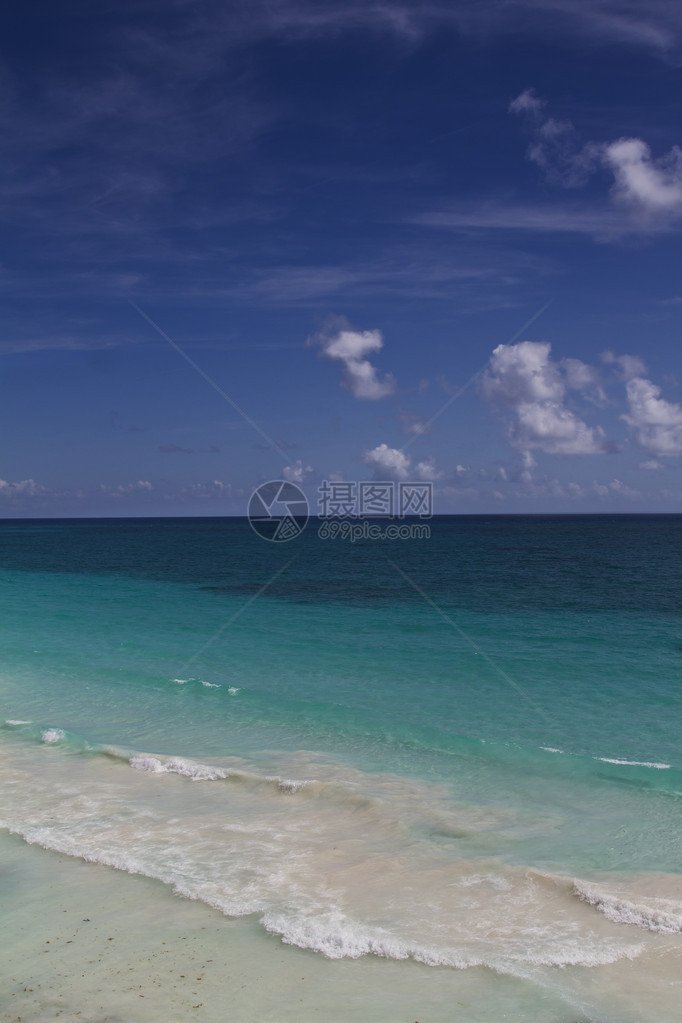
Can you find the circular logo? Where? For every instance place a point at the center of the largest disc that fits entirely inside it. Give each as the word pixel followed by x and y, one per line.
pixel 278 511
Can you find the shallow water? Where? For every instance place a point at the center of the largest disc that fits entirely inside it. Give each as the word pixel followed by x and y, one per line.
pixel 470 798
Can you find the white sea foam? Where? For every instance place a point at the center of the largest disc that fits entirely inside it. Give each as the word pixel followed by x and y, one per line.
pixel 181 681
pixel 634 763
pixel 661 915
pixel 551 749
pixel 337 936
pixel 290 785
pixel 13 722
pixel 233 690
pixel 332 865
pixel 51 735
pixel 502 884
pixel 210 685
pixel 176 765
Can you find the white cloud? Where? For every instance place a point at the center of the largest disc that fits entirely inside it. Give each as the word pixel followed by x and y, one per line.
pixel 351 348
pixel 390 461
pixel 22 488
pixel 581 377
pixel 551 427
pixel 426 470
pixel 650 189
pixel 657 422
pixel 651 465
pixel 655 26
pixel 524 379
pixel 528 464
pixel 393 464
pixel 527 103
pixel 123 489
pixel 614 487
pixel 630 365
pixel 412 423
pixel 599 223
pixel 652 186
pixel 523 374
pixel 297 472
pixel 211 488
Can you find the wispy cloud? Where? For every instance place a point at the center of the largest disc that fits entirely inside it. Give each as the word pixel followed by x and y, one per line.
pixel 656 27
pixel 567 218
pixel 174 449
pixel 414 424
pixel 646 190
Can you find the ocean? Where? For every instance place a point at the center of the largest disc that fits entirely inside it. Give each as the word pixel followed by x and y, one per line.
pixel 405 781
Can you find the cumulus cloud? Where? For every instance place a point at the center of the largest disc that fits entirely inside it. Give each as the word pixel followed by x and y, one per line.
pixel 630 366
pixel 22 488
pixel 297 472
pixel 140 486
pixel 211 488
pixel 653 186
pixel 426 470
pixel 553 488
pixel 649 188
pixel 657 423
pixel 525 380
pixel 391 463
pixel 614 487
pixel 352 348
pixel 581 377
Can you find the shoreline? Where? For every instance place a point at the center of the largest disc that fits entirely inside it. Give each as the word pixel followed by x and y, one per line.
pixel 94 945
pixel 91 944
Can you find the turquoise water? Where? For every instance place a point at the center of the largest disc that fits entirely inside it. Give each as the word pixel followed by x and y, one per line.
pixel 460 751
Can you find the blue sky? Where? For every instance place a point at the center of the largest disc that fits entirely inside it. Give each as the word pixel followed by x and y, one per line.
pixel 434 241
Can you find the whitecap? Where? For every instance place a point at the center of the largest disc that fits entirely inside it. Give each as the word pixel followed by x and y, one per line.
pixel 665 916
pixel 634 763
pixel 52 735
pixel 175 765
